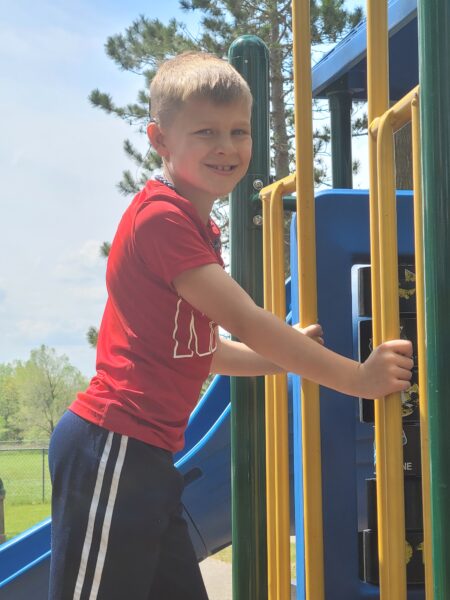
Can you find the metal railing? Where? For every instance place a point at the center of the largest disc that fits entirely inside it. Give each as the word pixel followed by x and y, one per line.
pixel 384 122
pixel 388 418
pixel 277 434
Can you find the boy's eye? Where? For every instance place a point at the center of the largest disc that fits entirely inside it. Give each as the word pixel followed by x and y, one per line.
pixel 240 132
pixel 204 132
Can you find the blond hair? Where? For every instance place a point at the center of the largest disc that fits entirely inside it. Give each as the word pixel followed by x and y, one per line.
pixel 194 75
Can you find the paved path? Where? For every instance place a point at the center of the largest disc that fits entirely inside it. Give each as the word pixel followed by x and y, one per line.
pixel 217 578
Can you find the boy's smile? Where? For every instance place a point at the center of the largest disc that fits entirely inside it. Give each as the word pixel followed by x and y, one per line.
pixel 206 149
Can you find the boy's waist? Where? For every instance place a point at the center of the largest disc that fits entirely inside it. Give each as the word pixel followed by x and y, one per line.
pixel 113 416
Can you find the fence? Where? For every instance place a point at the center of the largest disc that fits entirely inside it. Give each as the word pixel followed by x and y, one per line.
pixel 24 472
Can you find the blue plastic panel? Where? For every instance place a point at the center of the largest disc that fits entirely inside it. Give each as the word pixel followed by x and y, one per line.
pixel 342 237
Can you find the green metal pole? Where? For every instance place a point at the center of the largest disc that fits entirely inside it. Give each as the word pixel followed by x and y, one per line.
pixel 340 102
pixel 434 77
pixel 249 56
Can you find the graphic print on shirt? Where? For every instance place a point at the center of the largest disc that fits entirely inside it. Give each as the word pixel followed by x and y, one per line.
pixel 190 335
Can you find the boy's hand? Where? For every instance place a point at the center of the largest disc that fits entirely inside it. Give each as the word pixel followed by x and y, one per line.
pixel 315 332
pixel 387 370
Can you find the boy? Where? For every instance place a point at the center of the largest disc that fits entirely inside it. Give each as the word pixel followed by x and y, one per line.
pixel 117 527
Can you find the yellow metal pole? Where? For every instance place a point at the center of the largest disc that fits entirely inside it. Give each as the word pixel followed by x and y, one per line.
pixel 420 303
pixel 306 232
pixel 391 453
pixel 277 454
pixel 389 447
pixel 269 409
pixel 388 429
pixel 378 103
pixel 400 113
pixel 282 529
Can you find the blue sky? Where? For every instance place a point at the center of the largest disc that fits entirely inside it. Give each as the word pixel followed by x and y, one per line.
pixel 60 161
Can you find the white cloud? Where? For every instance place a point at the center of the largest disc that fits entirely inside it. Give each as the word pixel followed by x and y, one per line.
pixel 83 265
pixel 54 305
pixel 30 328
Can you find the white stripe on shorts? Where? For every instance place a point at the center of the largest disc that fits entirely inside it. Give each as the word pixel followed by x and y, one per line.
pixel 108 517
pixel 91 519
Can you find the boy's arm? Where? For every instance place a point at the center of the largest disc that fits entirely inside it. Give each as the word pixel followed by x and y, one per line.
pixel 210 290
pixel 236 358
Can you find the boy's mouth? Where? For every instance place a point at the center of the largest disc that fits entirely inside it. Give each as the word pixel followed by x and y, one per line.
pixel 222 168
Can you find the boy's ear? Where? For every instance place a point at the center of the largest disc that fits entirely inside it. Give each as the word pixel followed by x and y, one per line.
pixel 157 140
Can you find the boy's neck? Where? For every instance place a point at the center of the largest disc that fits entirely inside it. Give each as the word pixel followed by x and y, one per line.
pixel 203 208
pixel 202 205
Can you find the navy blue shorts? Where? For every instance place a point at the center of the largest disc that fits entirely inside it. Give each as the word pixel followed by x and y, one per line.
pixel 117 529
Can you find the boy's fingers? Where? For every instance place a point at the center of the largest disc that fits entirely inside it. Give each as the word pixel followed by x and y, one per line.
pixel 404 374
pixel 404 362
pixel 400 346
pixel 315 329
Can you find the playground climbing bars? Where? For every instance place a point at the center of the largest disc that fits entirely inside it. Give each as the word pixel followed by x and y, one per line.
pixel 384 123
pixel 378 104
pixel 306 232
pixel 277 432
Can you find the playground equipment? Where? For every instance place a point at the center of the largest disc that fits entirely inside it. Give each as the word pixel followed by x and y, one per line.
pixel 332 451
pixel 326 574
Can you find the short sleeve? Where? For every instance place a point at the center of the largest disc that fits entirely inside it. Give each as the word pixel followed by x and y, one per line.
pixel 168 241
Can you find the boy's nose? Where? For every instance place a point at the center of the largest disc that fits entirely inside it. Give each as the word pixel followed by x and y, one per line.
pixel 224 144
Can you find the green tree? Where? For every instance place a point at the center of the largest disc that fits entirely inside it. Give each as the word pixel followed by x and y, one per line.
pixel 92 336
pixel 9 405
pixel 47 383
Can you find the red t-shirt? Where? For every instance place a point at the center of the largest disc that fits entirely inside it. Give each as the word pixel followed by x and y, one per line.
pixel 154 349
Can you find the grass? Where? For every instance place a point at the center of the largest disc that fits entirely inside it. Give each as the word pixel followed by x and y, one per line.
pixel 25 476
pixel 26 480
pixel 18 518
pixel 224 555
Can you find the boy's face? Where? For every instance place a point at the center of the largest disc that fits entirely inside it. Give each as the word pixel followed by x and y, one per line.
pixel 206 148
